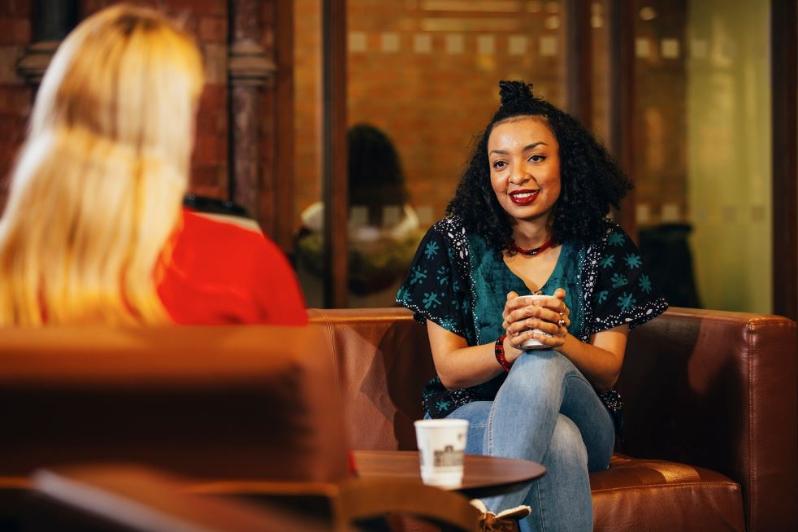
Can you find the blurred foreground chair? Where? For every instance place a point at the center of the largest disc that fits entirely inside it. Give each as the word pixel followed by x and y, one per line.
pixel 128 498
pixel 253 411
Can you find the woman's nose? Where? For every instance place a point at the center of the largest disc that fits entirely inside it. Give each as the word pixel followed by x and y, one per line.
pixel 519 175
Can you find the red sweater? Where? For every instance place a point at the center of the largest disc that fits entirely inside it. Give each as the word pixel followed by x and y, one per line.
pixel 223 274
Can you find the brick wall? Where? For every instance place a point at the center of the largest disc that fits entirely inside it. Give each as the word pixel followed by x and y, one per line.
pixel 15 95
pixel 207 19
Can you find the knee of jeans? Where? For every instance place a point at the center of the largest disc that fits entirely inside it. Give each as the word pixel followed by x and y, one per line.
pixel 567 444
pixel 476 413
pixel 543 368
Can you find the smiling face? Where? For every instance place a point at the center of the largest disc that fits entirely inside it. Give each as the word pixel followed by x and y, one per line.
pixel 524 158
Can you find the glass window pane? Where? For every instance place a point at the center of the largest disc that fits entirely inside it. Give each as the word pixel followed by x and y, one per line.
pixel 425 74
pixel 703 167
pixel 308 200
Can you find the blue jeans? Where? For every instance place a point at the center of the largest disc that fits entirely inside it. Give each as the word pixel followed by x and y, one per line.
pixel 548 412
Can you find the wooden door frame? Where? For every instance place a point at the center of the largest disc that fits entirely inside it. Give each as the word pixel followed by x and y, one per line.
pixel 334 154
pixel 579 61
pixel 283 165
pixel 621 18
pixel 784 83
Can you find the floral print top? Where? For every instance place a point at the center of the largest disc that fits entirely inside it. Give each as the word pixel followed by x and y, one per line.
pixel 457 281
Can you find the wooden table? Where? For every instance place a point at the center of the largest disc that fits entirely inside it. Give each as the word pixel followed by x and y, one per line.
pixel 483 475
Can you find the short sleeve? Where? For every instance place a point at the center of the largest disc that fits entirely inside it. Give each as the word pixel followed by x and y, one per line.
pixel 624 292
pixel 434 289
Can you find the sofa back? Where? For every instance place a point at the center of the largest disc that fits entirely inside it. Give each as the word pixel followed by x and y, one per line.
pixel 206 402
pixel 384 360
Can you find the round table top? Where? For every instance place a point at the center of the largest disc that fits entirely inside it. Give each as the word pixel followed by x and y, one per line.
pixel 482 476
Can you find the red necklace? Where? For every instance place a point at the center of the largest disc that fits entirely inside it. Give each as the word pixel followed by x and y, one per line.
pixel 534 251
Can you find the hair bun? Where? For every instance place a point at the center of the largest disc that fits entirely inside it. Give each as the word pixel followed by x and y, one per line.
pixel 515 92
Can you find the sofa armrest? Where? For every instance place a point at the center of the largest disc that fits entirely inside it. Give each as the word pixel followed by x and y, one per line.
pixel 719 390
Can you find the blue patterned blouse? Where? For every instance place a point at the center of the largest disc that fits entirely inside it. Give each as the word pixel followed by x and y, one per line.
pixel 458 282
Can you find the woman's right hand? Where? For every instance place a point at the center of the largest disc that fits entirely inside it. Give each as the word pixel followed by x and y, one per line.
pixel 512 344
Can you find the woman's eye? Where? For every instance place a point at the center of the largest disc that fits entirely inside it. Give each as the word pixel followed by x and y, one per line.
pixel 537 158
pixel 498 165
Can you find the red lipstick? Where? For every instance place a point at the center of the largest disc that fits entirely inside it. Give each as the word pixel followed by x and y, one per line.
pixel 523 197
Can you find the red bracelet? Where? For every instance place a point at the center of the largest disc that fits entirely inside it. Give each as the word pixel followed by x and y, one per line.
pixel 498 350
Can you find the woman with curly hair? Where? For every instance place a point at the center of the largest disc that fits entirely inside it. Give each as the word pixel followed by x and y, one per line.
pixel 530 217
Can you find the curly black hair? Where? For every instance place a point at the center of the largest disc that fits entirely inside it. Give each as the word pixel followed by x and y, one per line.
pixel 590 180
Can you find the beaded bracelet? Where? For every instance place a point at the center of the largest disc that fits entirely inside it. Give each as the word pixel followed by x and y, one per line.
pixel 498 350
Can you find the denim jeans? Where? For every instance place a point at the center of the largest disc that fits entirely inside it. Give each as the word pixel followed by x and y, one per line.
pixel 546 411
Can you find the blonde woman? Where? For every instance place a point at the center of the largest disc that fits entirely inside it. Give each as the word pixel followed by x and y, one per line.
pixel 93 231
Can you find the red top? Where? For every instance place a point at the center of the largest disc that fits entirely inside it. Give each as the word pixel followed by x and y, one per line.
pixel 224 274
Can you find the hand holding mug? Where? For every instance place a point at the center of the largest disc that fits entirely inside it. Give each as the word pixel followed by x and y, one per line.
pixel 536 321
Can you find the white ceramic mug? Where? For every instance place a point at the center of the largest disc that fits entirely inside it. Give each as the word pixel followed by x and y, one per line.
pixel 534 343
pixel 441 450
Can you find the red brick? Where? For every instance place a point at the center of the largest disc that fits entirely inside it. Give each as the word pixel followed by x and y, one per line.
pixel 204 175
pixel 212 115
pixel 198 7
pixel 18 8
pixel 213 96
pixel 89 7
pixel 210 149
pixel 209 191
pixel 15 100
pixel 14 31
pixel 212 29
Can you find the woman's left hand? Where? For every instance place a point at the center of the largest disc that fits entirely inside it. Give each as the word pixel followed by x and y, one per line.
pixel 552 319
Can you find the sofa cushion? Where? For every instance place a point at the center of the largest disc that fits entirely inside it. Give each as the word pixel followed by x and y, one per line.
pixel 654 495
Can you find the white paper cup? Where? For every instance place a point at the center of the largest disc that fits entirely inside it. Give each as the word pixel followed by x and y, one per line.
pixel 441 450
pixel 534 343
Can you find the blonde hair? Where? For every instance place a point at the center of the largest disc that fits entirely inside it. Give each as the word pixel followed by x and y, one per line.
pixel 96 192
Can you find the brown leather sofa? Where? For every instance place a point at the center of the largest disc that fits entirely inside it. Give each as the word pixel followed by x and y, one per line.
pixel 710 440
